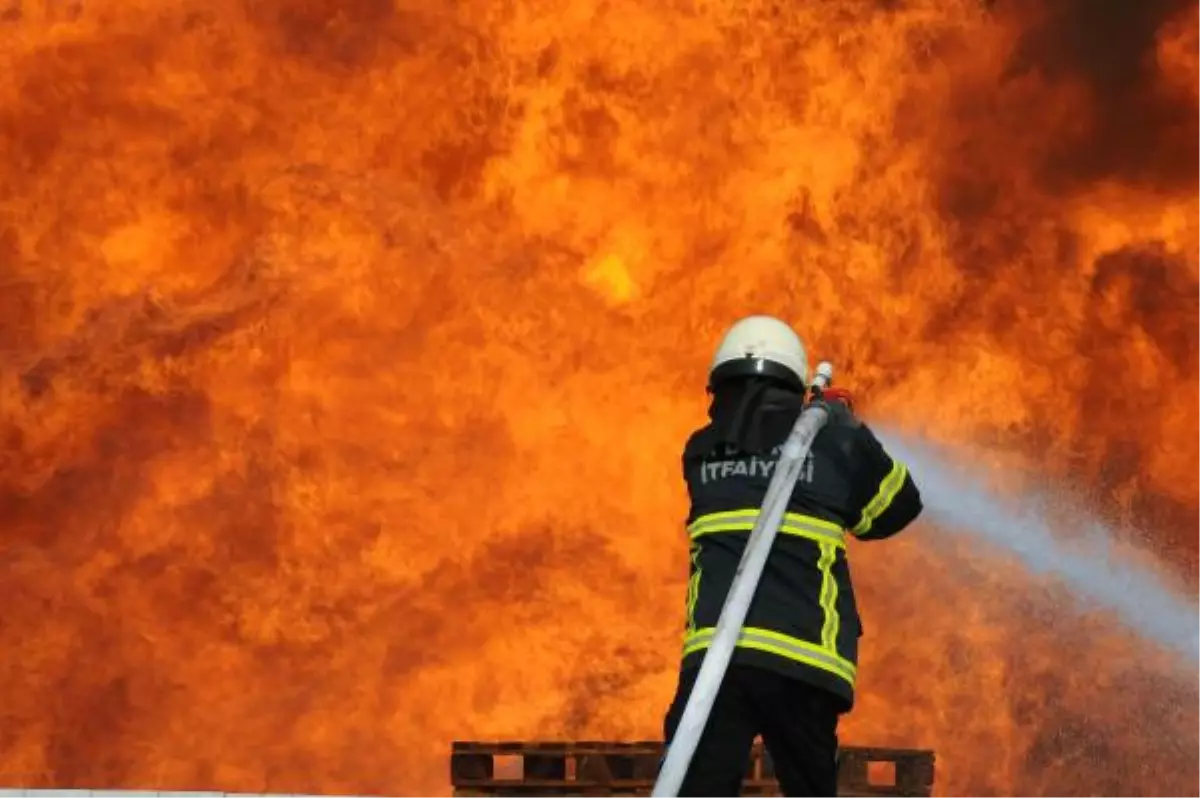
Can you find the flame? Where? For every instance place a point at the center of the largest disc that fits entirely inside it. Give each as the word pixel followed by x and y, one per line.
pixel 348 349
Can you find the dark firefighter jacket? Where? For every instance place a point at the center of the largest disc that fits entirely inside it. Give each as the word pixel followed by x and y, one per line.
pixel 803 621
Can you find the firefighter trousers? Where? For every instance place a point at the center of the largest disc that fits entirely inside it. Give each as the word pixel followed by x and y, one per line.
pixel 797 722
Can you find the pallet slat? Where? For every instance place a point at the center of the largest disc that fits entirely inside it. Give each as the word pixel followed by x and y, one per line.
pixel 629 768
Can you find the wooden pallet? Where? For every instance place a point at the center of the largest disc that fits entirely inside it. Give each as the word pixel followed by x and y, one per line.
pixel 609 768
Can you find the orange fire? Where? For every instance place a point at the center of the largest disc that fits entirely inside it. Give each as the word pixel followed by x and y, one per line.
pixel 347 348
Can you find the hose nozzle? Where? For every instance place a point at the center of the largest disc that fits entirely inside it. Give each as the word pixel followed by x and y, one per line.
pixel 823 378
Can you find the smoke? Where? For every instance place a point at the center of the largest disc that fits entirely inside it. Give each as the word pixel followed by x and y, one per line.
pixel 1138 128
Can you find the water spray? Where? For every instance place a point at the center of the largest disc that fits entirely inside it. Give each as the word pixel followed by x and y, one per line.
pixel 1098 571
pixel 741 592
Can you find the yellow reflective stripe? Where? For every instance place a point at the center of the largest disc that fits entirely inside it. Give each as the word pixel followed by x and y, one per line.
pixel 780 645
pixel 732 521
pixel 804 526
pixel 693 593
pixel 888 489
pixel 829 592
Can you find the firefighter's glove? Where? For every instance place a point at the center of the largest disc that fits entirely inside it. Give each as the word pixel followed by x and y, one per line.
pixel 839 403
pixel 832 394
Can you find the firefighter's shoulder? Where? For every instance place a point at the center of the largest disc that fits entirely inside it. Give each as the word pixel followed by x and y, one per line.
pixel 700 443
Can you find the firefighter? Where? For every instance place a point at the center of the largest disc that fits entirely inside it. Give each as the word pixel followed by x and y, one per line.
pixel 792 674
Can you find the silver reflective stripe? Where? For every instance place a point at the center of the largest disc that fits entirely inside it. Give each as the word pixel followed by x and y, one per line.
pixel 708 522
pixel 792 525
pixel 846 669
pixel 829 659
pixel 888 489
pixel 796 527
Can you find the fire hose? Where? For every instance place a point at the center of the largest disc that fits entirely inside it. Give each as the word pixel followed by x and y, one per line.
pixel 741 592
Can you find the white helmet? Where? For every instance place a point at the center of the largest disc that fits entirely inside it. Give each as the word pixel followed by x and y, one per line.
pixel 760 345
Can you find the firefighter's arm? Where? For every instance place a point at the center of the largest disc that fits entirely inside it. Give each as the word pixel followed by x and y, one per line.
pixel 888 498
